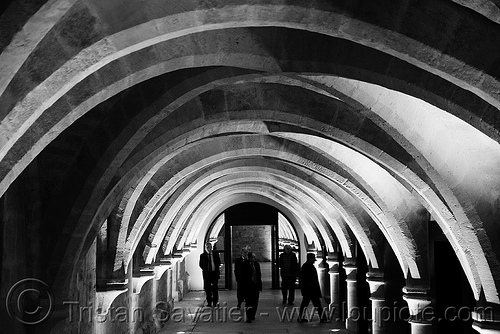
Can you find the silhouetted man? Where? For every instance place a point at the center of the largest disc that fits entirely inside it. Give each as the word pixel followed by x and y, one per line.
pixel 311 291
pixel 239 275
pixel 252 286
pixel 288 265
pixel 209 264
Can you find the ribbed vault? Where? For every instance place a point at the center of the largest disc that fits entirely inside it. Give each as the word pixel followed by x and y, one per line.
pixel 359 121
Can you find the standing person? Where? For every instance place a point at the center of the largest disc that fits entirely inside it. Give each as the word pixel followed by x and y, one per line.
pixel 209 264
pixel 311 291
pixel 239 264
pixel 288 264
pixel 252 286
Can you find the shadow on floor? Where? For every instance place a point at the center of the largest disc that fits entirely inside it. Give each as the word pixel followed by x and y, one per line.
pixel 189 316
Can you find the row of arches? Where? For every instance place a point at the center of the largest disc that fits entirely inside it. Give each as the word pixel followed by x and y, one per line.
pixel 360 122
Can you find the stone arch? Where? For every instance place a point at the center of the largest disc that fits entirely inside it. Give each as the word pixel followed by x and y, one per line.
pixel 195 164
pixel 50 79
pixel 492 259
pixel 61 126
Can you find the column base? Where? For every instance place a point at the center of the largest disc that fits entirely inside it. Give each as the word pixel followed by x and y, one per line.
pixel 421 328
pixel 352 324
pixel 334 309
pixel 486 327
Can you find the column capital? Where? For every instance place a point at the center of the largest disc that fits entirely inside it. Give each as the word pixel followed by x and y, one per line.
pixel 165 261
pixel 111 285
pixel 351 272
pixel 375 275
pixel 334 268
pixel 419 304
pixel 486 327
pixel 332 256
pixel 350 269
pixel 146 270
pixel 486 320
pixel 160 268
pixel 350 262
pixel 376 283
pixel 178 254
pixel 333 262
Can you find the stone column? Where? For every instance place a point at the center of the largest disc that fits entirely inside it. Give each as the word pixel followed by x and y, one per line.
pixel 323 277
pixel 486 319
pixel 102 271
pixel 377 296
pixel 421 310
pixel 353 312
pixel 334 285
pixel 486 327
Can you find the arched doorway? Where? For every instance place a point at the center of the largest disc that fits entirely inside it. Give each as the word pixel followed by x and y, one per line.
pixel 262 227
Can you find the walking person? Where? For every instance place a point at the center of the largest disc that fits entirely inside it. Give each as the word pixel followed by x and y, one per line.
pixel 239 274
pixel 209 264
pixel 289 271
pixel 311 291
pixel 252 286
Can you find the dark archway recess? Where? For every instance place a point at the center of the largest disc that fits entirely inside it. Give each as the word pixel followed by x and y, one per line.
pixel 128 134
pixel 252 214
pixel 454 297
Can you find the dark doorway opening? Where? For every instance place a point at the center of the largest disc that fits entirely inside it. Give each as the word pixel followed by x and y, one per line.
pixel 454 297
pixel 255 225
pixel 262 227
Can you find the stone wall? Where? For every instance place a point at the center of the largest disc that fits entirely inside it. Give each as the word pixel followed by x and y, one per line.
pixel 145 306
pixel 141 308
pixel 21 251
pixel 257 236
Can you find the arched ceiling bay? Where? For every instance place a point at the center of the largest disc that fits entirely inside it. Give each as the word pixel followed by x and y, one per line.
pixel 355 119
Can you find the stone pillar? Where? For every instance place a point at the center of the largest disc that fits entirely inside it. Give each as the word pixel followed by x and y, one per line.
pixel 334 285
pixel 421 310
pixel 109 277
pixel 319 257
pixel 176 284
pixel 323 277
pixel 353 312
pixel 486 327
pixel 377 297
pixel 102 253
pixel 486 319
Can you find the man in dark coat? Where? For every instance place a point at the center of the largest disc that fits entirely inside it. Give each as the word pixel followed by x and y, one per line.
pixel 289 270
pixel 209 264
pixel 239 275
pixel 252 286
pixel 311 291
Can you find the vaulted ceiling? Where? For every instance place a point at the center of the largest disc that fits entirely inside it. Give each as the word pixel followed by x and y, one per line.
pixel 356 119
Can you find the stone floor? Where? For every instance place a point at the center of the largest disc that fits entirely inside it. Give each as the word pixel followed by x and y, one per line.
pixel 189 316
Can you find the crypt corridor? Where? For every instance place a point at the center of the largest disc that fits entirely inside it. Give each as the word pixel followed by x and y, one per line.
pixel 129 129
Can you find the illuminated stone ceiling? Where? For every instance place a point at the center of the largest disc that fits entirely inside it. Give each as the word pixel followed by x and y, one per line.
pixel 354 119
